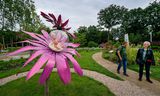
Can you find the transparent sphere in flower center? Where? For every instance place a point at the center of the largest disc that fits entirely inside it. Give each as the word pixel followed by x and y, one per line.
pixel 56 43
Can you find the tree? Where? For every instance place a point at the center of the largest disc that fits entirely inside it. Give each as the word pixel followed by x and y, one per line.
pixel 93 34
pixel 153 18
pixel 81 36
pixel 88 34
pixel 134 23
pixel 111 16
pixel 17 15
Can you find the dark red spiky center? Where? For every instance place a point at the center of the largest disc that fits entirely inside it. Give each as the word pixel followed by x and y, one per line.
pixel 57 22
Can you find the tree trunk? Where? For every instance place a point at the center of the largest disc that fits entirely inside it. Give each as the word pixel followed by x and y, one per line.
pixel 11 42
pixel 108 34
pixel 3 16
pixel 3 42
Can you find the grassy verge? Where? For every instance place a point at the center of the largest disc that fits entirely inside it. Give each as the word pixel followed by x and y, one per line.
pixel 80 86
pixel 85 61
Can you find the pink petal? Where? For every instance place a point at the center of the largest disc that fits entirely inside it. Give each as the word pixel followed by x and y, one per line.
pixel 45 34
pixel 63 68
pixel 34 36
pixel 42 37
pixel 73 45
pixel 47 70
pixel 76 66
pixel 42 60
pixel 72 51
pixel 35 44
pixel 68 73
pixel 23 49
pixel 39 42
pixel 33 56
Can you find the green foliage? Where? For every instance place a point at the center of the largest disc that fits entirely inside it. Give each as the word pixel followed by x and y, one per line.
pixel 81 38
pixel 131 55
pixel 136 22
pixel 116 44
pixel 111 16
pixel 110 56
pixel 87 34
pixel 17 15
pixel 7 65
pixel 93 34
pixel 11 49
pixel 155 47
pixel 103 37
pixel 80 86
pixel 157 57
pixel 153 18
pixel 92 44
pixel 135 38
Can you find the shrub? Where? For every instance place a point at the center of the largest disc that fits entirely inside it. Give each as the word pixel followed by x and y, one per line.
pixel 157 57
pixel 10 49
pixel 110 56
pixel 156 47
pixel 92 44
pixel 6 65
pixel 117 44
pixel 131 55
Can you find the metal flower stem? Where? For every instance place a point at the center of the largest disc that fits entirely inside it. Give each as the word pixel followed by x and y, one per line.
pixel 46 88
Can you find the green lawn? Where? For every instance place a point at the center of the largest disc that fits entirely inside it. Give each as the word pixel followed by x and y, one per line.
pixel 79 86
pixel 155 71
pixel 85 62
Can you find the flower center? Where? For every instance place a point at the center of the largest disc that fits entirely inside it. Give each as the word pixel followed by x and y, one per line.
pixel 57 37
pixel 56 46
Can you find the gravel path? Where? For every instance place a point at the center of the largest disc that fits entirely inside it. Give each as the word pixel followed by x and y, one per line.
pixel 138 87
pixel 7 58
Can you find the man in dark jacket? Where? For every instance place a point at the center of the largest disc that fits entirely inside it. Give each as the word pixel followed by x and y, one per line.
pixel 145 58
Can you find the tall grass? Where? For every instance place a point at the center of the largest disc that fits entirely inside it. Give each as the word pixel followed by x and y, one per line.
pixel 131 55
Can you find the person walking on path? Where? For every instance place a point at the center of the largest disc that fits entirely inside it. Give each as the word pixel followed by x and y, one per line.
pixel 122 58
pixel 145 58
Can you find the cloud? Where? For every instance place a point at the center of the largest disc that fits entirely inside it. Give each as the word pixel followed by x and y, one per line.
pixel 82 12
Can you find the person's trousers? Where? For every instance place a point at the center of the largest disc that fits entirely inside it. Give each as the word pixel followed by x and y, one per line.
pixel 147 68
pixel 124 62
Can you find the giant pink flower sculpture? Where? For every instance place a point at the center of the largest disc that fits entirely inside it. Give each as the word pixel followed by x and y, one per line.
pixel 53 49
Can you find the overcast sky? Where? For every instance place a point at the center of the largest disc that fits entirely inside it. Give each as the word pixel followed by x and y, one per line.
pixel 82 12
